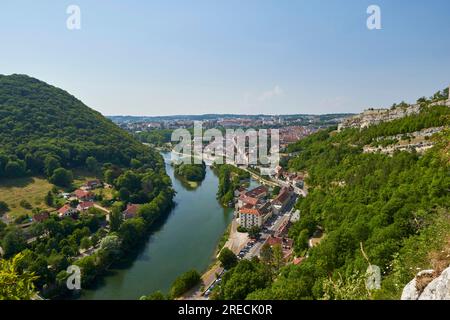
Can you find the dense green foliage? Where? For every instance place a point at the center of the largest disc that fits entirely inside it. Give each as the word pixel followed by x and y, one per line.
pixel 395 208
pixel 157 137
pixel 14 283
pixel 230 178
pixel 43 128
pixel 184 282
pixel 191 172
pixel 227 258
pixel 46 131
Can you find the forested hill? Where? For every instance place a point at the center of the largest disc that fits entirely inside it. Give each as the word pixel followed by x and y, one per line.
pixel 40 123
pixel 385 209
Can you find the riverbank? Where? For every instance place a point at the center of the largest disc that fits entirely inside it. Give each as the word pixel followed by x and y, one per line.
pixel 187 239
pixel 236 241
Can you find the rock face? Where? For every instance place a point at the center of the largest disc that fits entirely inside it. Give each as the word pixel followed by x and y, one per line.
pixel 426 286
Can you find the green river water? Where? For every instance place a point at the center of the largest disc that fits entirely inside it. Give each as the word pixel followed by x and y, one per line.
pixel 185 240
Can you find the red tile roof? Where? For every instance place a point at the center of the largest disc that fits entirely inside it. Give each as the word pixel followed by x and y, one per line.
pixel 131 209
pixel 257 192
pixel 271 241
pixel 42 216
pixel 64 209
pixel 85 205
pixel 282 197
pixel 82 194
pixel 249 210
pixel 249 200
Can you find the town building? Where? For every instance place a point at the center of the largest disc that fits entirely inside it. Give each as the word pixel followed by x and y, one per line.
pixel 93 184
pixel 67 211
pixel 286 245
pixel 131 211
pixel 41 216
pixel 254 216
pixel 282 200
pixel 253 197
pixel 85 206
pixel 83 195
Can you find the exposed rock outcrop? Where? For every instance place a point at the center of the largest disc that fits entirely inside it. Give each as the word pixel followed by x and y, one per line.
pixel 428 286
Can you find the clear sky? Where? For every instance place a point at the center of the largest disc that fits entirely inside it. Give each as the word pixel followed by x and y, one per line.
pixel 167 57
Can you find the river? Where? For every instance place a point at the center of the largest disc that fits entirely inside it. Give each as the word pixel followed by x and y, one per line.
pixel 185 240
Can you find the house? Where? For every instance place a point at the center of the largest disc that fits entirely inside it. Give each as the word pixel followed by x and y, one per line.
pixel 85 206
pixel 254 216
pixel 41 216
pixel 253 197
pixel 131 211
pixel 93 184
pixel 280 202
pixel 67 211
pixel 239 191
pixel 250 216
pixel 286 245
pixel 83 195
pixel 259 192
pixel 244 200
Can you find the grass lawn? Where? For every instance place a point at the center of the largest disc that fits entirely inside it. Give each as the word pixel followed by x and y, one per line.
pixel 31 189
pixel 81 176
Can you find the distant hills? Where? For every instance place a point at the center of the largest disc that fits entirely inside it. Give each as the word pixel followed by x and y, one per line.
pixel 204 117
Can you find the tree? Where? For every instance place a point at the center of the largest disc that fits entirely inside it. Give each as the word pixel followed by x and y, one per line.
pixel 135 164
pixel 92 164
pixel 23 288
pixel 50 165
pixel 15 169
pixel 112 244
pixel 266 254
pixel 85 243
pixel 246 277
pixel 62 177
pixel 278 258
pixel 301 242
pixel 13 242
pixel 131 232
pixel 49 199
pixel 115 219
pixel 227 258
pixel 184 282
pixel 254 232
pixel 124 194
pixel 158 295
pixel 3 207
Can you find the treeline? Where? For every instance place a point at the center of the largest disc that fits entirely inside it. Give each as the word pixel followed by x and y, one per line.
pixel 181 285
pixel 157 137
pixel 230 178
pixel 191 172
pixel 389 211
pixel 58 243
pixel 46 131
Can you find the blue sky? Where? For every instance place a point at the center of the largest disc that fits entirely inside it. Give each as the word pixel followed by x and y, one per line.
pixel 140 57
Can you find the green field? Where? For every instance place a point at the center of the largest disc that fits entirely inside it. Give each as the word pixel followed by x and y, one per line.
pixel 31 189
pixel 81 176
